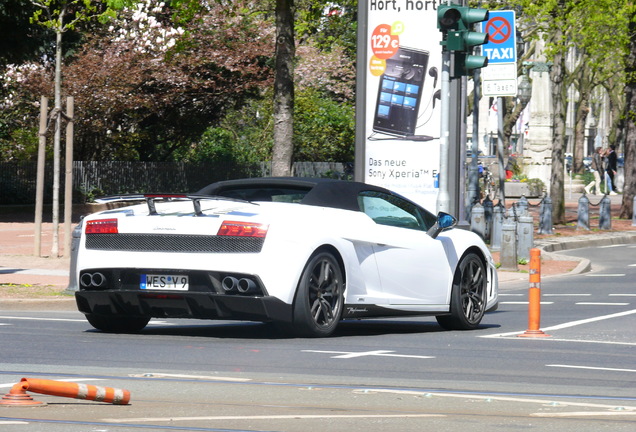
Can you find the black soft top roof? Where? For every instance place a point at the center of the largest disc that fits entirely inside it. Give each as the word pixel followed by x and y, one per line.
pixel 319 191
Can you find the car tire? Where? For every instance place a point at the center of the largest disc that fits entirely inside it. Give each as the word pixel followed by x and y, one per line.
pixel 468 296
pixel 319 297
pixel 117 323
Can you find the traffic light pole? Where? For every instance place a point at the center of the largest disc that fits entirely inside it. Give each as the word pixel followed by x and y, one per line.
pixel 443 195
pixel 456 22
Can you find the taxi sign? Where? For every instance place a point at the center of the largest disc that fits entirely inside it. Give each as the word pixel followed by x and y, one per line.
pixel 499 78
pixel 502 38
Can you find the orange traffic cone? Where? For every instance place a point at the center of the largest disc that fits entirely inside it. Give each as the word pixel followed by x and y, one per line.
pixel 18 396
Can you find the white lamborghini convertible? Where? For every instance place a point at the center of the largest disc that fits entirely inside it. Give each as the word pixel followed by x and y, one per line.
pixel 303 253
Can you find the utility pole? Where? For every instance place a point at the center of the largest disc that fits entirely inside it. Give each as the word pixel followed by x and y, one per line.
pixel 456 22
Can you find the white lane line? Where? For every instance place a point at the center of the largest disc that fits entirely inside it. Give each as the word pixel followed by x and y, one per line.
pixel 605 274
pixel 592 368
pixel 600 304
pixel 152 322
pixel 591 341
pixel 523 303
pixel 42 319
pixel 192 377
pixel 585 414
pixel 379 353
pixel 510 295
pixel 566 325
pixel 622 295
pixel 566 295
pixel 268 417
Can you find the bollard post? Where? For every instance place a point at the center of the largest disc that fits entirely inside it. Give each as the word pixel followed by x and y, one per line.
pixel 525 236
pixel 584 213
pixel 508 254
pixel 605 217
pixel 488 208
pixel 534 297
pixel 497 222
pixel 545 221
pixel 478 222
pixel 522 205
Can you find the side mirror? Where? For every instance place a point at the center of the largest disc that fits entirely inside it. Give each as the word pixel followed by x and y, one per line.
pixel 444 222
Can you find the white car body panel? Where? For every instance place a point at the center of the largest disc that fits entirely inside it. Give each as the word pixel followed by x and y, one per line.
pixel 397 269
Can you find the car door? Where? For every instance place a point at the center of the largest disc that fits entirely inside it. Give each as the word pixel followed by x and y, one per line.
pixel 413 267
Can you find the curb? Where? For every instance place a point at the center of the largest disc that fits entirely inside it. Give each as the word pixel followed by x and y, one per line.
pixel 584 266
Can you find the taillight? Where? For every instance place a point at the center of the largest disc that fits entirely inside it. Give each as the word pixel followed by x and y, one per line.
pixel 102 226
pixel 243 229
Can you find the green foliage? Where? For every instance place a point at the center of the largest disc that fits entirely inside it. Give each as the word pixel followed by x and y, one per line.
pixel 324 130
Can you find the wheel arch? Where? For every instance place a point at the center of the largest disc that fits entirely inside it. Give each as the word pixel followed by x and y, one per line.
pixel 336 253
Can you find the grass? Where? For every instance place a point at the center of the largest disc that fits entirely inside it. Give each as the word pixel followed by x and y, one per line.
pixel 19 291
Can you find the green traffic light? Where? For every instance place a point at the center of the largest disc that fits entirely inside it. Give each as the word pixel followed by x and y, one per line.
pixel 448 17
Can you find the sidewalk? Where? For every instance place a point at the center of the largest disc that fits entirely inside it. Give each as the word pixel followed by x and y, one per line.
pixel 20 267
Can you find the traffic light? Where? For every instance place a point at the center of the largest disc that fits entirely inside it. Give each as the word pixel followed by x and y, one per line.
pixel 455 23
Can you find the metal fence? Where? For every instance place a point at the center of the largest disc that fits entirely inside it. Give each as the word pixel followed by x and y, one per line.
pixel 92 179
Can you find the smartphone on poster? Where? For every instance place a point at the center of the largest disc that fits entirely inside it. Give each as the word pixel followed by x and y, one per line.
pixel 400 92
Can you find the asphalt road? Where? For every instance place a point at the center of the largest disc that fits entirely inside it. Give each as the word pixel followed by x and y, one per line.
pixel 405 374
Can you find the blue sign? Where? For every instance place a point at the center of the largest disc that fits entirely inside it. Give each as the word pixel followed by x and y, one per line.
pixel 502 39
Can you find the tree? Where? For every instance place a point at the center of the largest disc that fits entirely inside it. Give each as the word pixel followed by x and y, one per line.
pixel 61 16
pixel 629 190
pixel 19 40
pixel 283 149
pixel 591 28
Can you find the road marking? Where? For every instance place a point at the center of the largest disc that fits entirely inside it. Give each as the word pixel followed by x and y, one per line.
pixel 622 295
pixel 152 322
pixel 192 377
pixel 268 417
pixel 600 304
pixel 565 325
pixel 605 274
pixel 42 319
pixel 566 295
pixel 379 353
pixel 511 295
pixel 523 303
pixel 584 414
pixel 592 368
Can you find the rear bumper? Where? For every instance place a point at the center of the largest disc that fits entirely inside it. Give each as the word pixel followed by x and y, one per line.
pixel 199 305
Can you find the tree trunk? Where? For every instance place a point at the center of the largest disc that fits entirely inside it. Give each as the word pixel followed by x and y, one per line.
pixel 559 106
pixel 283 148
pixel 582 111
pixel 627 206
pixel 55 247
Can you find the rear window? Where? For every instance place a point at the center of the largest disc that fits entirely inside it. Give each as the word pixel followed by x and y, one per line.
pixel 273 194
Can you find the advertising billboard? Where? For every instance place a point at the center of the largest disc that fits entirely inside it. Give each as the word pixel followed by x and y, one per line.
pixel 401 85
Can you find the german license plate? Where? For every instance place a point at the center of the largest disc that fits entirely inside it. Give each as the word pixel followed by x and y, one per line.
pixel 164 282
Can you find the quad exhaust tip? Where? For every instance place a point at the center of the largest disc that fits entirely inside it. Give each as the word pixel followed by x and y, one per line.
pixel 93 280
pixel 243 285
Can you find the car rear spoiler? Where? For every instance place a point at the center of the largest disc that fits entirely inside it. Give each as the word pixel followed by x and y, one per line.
pixel 152 198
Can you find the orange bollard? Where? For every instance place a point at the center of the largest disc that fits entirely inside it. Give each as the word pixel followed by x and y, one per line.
pixel 18 396
pixel 534 297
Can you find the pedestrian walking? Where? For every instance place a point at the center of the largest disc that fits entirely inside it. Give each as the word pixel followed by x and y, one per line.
pixel 598 171
pixel 611 169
